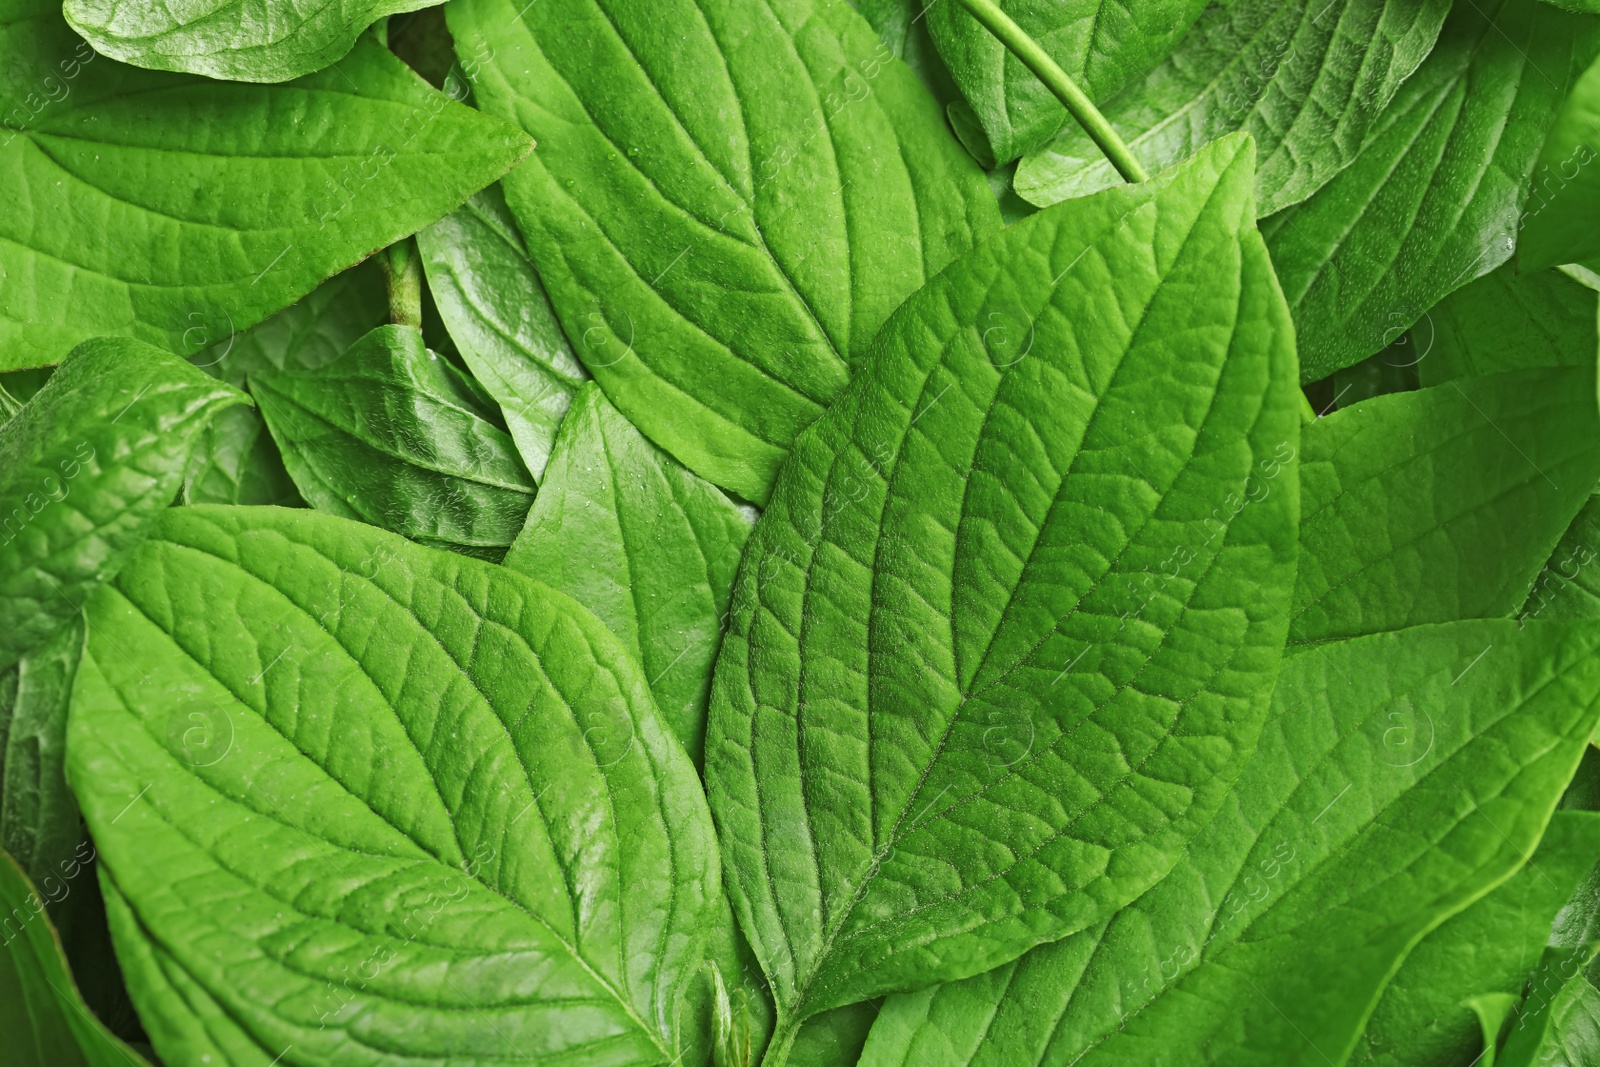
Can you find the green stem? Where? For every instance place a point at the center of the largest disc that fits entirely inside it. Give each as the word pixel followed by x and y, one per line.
pixel 1061 84
pixel 402 267
pixel 778 1049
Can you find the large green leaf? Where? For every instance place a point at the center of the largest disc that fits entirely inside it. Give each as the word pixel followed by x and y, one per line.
pixel 951 718
pixel 627 532
pixel 1398 780
pixel 1424 1018
pixel 1432 199
pixel 240 40
pixel 497 313
pixel 390 434
pixel 1306 79
pixel 1442 503
pixel 39 824
pixel 448 824
pixel 86 464
pixel 1104 44
pixel 728 200
pixel 1508 321
pixel 42 1015
pixel 1559 224
pixel 177 210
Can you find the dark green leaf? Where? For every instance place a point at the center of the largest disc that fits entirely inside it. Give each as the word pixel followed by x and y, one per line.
pixel 1424 1018
pixel 177 210
pixel 728 200
pixel 389 435
pixel 1103 44
pixel 497 313
pixel 39 824
pixel 1432 199
pixel 627 532
pixel 1506 321
pixel 42 1015
pixel 1559 224
pixel 429 810
pixel 272 41
pixel 1440 504
pixel 1005 628
pixel 1306 79
pixel 90 460
pixel 1398 780
pixel 1569 585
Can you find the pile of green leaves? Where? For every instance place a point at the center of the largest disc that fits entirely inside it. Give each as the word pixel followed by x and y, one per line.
pixel 730 532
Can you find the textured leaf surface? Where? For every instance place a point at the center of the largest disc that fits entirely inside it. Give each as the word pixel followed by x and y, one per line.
pixel 176 210
pixel 1392 787
pixel 89 461
pixel 728 200
pixel 1569 585
pixel 39 824
pixel 239 40
pixel 1424 1017
pixel 626 531
pixel 1568 1034
pixel 390 435
pixel 41 1012
pixel 449 824
pixel 496 310
pixel 1432 199
pixel 1306 79
pixel 1506 321
pixel 1560 222
pixel 942 729
pixel 1442 503
pixel 1102 44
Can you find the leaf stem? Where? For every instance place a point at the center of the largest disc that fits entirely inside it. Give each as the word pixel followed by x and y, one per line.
pixel 1061 84
pixel 402 268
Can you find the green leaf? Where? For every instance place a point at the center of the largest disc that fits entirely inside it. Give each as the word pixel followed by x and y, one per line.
pixel 1397 781
pixel 39 824
pixel 232 39
pixel 1101 44
pixel 430 810
pixel 389 435
pixel 626 531
pixel 1424 1016
pixel 1567 1032
pixel 177 210
pixel 89 461
pixel 236 462
pixel 1306 79
pixel 728 200
pixel 1442 503
pixel 1569 585
pixel 1508 321
pixel 1559 223
pixel 1432 200
pixel 497 313
pixel 943 730
pixel 43 1016
pixel 834 1038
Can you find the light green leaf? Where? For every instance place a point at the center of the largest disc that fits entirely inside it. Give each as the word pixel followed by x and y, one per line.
pixel 239 40
pixel 1103 44
pixel 951 717
pixel 89 461
pixel 1432 200
pixel 1507 321
pixel 39 824
pixel 496 310
pixel 1306 79
pixel 1398 780
pixel 1442 503
pixel 1569 585
pixel 728 200
pixel 1424 1018
pixel 388 434
pixel 1559 223
pixel 627 532
pixel 178 210
pixel 430 810
pixel 43 1017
